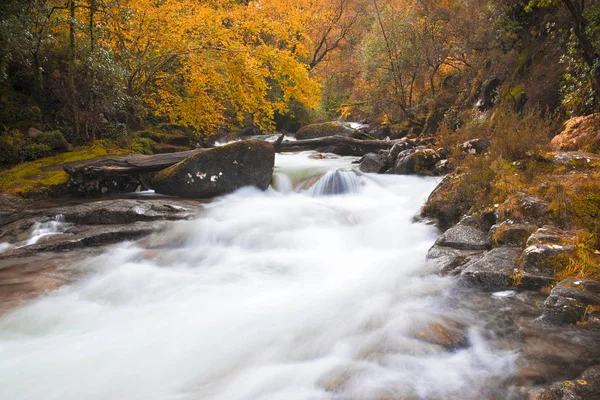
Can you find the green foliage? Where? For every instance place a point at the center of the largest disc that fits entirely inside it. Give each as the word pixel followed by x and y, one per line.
pixel 53 140
pixel 117 133
pixel 34 151
pixel 142 145
pixel 577 90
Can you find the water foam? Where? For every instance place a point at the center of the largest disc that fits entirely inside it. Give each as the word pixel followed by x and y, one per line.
pixel 268 295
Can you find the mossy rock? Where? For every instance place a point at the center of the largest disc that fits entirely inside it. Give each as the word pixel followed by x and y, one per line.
pixel 219 171
pixel 324 129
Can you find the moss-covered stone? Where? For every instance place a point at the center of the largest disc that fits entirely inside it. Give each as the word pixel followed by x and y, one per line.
pixel 325 129
pixel 219 171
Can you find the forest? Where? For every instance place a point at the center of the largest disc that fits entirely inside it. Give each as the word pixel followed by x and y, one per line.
pixel 102 69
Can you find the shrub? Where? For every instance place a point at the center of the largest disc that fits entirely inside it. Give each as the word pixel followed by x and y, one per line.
pixel 142 145
pixel 11 143
pixel 54 140
pixel 34 151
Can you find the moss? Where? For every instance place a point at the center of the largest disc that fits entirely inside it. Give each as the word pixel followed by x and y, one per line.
pixel 44 175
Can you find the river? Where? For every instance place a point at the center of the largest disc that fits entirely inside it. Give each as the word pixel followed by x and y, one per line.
pixel 277 295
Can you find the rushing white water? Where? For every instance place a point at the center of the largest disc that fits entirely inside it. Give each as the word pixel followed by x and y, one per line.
pixel 41 229
pixel 267 295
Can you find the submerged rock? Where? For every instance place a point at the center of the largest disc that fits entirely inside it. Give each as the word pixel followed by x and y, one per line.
pixel 584 387
pixel 219 171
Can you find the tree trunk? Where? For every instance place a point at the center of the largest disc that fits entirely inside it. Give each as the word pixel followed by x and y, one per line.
pixel 340 145
pixel 71 67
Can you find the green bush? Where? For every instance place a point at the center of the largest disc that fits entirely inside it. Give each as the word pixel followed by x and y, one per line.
pixel 142 145
pixel 118 134
pixel 54 140
pixel 11 143
pixel 34 151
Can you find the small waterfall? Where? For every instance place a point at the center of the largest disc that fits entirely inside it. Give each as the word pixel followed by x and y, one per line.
pixel 336 182
pixel 282 183
pixel 41 229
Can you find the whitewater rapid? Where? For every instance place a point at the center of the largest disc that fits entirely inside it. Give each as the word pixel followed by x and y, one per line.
pixel 266 295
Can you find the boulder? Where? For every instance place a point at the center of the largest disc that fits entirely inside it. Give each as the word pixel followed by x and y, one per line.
pixel 475 146
pixel 314 131
pixel 576 160
pixel 489 94
pixel 416 161
pixel 449 261
pixel 219 171
pixel 546 258
pixel 580 133
pixel 571 301
pixel 441 204
pixel 548 249
pixel 464 237
pixel 33 132
pixel 494 269
pixel 509 233
pixel 374 163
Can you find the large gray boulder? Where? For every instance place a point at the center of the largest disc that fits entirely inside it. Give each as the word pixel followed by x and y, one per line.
pixel 493 270
pixel 373 163
pixel 219 171
pixel 571 300
pixel 464 237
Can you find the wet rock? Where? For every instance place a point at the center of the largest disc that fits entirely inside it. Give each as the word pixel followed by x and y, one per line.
pixel 373 163
pixel 449 261
pixel 508 233
pixel 105 212
pixel 570 301
pixel 126 211
pixel 325 129
pixel 584 387
pixel 464 237
pixel 475 146
pixel 580 133
pixel 450 336
pixel 557 353
pixel 85 236
pixel 219 171
pixel 443 204
pixel 494 269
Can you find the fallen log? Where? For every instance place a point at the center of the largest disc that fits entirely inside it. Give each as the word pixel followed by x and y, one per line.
pixel 340 145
